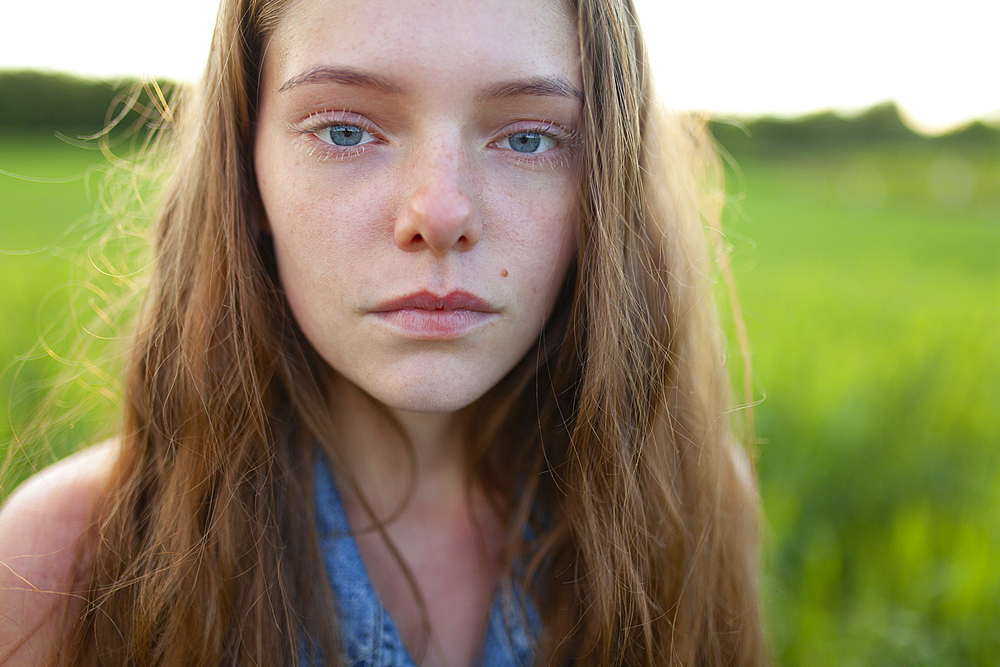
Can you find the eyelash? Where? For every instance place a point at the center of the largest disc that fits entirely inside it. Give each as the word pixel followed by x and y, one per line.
pixel 318 122
pixel 561 137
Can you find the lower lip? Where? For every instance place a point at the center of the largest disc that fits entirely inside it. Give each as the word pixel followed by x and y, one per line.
pixel 423 324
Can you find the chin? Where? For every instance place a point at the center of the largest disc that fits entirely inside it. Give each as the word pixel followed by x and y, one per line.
pixel 430 397
pixel 431 384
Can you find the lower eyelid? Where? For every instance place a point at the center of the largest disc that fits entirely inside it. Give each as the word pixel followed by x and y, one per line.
pixel 324 150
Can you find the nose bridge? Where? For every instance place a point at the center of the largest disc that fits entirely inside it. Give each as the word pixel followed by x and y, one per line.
pixel 441 212
pixel 441 154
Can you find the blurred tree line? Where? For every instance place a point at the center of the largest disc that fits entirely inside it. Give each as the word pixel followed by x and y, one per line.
pixel 72 105
pixel 31 100
pixel 881 124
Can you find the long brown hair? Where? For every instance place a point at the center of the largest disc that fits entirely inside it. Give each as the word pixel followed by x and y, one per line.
pixel 625 467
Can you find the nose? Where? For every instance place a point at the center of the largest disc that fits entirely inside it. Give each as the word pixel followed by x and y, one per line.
pixel 441 213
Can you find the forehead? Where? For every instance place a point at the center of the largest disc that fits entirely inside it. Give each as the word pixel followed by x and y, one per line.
pixel 437 38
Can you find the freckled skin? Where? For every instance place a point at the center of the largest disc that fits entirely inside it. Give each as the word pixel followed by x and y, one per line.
pixel 433 202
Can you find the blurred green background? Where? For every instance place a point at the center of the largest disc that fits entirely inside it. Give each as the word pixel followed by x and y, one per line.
pixel 867 261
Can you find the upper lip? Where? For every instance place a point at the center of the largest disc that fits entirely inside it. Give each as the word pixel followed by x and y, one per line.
pixel 426 300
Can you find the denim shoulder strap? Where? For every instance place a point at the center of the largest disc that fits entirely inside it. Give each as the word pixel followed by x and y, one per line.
pixel 368 635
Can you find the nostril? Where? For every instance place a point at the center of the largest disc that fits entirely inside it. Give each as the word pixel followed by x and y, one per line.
pixel 417 238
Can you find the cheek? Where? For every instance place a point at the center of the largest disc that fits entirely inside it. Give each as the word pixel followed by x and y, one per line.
pixel 562 249
pixel 540 240
pixel 316 253
pixel 324 232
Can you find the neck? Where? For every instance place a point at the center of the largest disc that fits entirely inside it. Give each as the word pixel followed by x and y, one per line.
pixel 391 452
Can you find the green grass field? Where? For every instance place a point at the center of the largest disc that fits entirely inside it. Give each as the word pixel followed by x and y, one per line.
pixel 869 281
pixel 45 213
pixel 56 288
pixel 871 291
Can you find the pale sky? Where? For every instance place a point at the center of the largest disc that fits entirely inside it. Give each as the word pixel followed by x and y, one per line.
pixel 940 61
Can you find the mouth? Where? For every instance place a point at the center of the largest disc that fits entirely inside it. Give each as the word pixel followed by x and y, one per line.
pixel 429 301
pixel 428 316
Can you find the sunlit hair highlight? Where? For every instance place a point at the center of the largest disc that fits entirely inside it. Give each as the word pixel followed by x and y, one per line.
pixel 630 505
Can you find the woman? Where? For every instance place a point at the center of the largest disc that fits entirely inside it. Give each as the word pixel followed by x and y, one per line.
pixel 427 370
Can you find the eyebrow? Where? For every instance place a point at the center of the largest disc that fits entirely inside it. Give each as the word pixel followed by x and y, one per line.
pixel 542 86
pixel 342 75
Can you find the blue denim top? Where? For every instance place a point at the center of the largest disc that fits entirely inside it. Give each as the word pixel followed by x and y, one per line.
pixel 368 635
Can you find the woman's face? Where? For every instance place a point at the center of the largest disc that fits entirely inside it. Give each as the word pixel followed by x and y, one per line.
pixel 416 163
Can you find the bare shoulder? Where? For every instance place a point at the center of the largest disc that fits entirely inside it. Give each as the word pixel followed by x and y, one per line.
pixel 45 529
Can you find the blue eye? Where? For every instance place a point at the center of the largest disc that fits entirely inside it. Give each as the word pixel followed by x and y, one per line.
pixel 344 135
pixel 525 142
pixel 529 142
